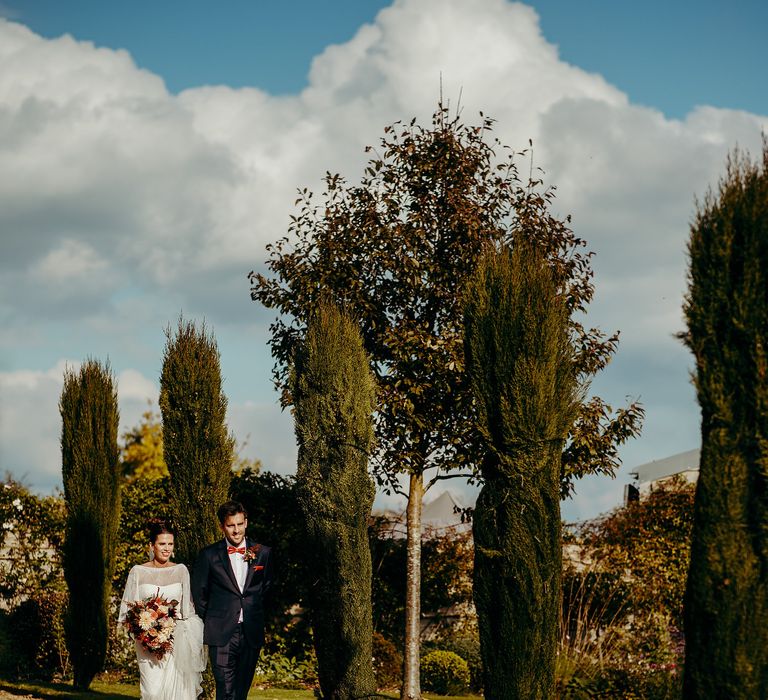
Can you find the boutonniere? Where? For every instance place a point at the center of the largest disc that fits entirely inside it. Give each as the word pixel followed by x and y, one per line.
pixel 250 555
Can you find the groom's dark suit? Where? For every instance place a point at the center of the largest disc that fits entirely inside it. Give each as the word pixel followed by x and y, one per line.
pixel 233 646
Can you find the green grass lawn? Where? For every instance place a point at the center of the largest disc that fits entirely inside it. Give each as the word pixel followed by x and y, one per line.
pixel 105 690
pixel 100 690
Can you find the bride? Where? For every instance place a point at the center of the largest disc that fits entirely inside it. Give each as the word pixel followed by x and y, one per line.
pixel 177 675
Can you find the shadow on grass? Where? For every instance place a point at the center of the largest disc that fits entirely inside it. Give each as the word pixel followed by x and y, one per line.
pixel 103 690
pixel 65 691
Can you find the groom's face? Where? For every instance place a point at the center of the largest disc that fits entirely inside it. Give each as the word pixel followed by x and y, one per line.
pixel 234 528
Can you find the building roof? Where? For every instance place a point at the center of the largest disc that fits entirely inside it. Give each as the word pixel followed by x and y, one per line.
pixel 663 468
pixel 440 512
pixel 437 515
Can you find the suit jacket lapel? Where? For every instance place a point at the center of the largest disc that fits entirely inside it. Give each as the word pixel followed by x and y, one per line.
pixel 251 566
pixel 224 558
pixel 249 574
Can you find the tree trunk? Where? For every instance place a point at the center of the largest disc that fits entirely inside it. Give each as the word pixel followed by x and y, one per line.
pixel 726 603
pixel 517 585
pixel 411 683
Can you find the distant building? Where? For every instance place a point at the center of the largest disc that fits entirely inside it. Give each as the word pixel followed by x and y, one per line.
pixel 441 515
pixel 651 474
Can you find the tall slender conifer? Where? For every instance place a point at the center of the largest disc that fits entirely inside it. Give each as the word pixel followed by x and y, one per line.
pixel 522 369
pixel 91 475
pixel 334 398
pixel 198 448
pixel 726 308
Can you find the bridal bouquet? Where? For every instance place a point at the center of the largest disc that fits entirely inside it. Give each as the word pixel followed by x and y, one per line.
pixel 151 623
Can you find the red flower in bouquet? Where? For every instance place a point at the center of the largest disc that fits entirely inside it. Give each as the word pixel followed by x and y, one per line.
pixel 151 622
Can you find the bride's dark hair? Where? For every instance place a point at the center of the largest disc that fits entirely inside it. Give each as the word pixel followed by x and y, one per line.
pixel 159 526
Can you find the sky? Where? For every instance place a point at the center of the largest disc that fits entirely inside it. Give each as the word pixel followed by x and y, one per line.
pixel 150 151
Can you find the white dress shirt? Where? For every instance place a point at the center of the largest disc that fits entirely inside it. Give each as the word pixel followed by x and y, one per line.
pixel 239 569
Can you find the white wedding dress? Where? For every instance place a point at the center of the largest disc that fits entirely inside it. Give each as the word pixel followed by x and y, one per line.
pixel 177 675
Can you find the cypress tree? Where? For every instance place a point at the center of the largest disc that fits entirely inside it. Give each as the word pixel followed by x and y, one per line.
pixel 198 448
pixel 521 366
pixel 91 474
pixel 726 309
pixel 334 398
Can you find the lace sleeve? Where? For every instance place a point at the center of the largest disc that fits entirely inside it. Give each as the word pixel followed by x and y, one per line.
pixel 188 648
pixel 187 606
pixel 130 594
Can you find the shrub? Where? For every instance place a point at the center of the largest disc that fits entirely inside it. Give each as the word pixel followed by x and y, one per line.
pixel 387 662
pixel 34 634
pixel 610 649
pixel 121 661
pixel 32 530
pixel 142 499
pixel 647 543
pixel 11 655
pixel 445 673
pixel 278 670
pixel 31 584
pixel 468 648
pixel 621 617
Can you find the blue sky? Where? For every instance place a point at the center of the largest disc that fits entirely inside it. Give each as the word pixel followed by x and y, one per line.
pixel 149 157
pixel 662 54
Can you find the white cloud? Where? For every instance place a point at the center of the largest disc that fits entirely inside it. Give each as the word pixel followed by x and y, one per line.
pixel 30 426
pixel 122 205
pixel 30 423
pixel 133 385
pixel 71 260
pixel 70 276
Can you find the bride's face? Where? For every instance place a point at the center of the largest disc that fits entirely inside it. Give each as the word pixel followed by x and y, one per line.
pixel 162 548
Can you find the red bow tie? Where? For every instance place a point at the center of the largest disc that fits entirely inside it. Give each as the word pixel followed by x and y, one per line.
pixel 235 550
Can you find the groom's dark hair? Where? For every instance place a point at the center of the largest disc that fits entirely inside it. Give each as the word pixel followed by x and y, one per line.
pixel 231 508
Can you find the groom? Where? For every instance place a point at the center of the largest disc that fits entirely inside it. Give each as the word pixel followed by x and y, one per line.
pixel 230 581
